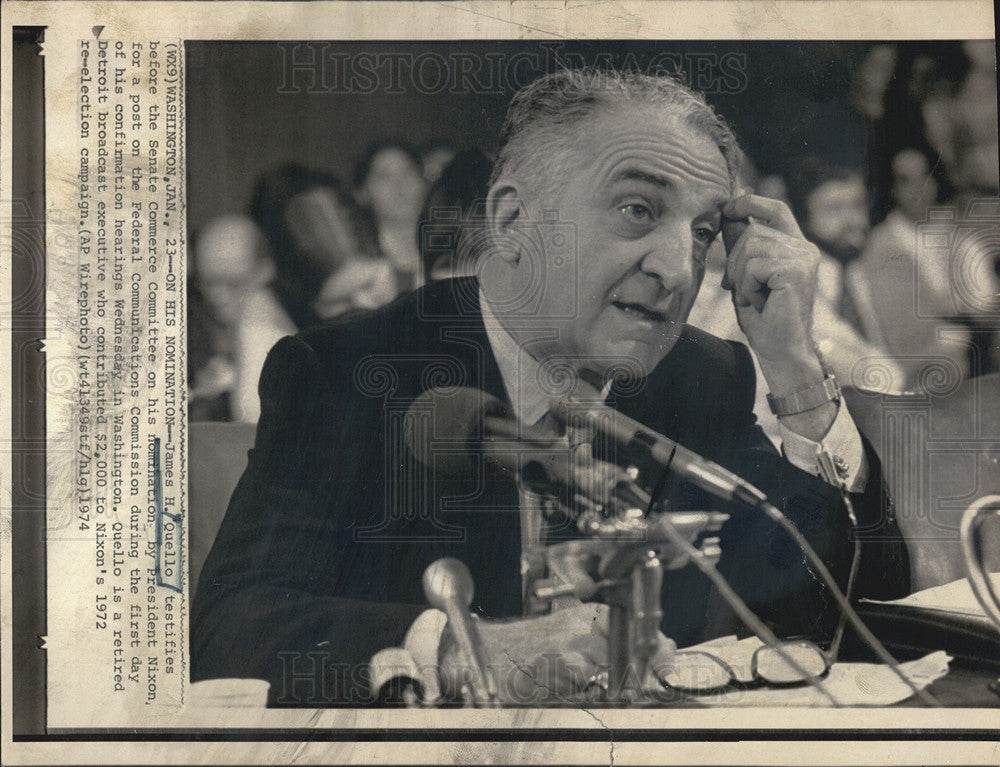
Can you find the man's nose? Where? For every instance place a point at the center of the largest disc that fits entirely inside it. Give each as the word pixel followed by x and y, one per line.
pixel 670 259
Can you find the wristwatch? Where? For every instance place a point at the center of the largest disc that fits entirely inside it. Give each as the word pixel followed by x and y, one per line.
pixel 809 398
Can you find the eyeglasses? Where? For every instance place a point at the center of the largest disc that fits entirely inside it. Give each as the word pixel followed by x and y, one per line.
pixel 745 662
pixel 716 664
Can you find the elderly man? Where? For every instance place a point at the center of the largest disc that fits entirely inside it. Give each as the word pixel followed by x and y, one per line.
pixel 607 193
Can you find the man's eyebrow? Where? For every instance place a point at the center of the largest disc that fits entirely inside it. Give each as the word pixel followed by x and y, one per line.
pixel 662 182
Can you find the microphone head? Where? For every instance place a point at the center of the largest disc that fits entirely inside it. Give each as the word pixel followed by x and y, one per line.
pixel 447 581
pixel 452 419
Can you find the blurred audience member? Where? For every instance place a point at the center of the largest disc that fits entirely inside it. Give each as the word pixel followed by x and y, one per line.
pixel 230 261
pixel 831 205
pixel 924 71
pixel 449 232
pixel 773 186
pixel 843 111
pixel 389 183
pixel 892 271
pixel 434 158
pixel 871 79
pixel 962 124
pixel 326 264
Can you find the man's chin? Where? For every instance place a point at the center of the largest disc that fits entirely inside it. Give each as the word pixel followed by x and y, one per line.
pixel 635 357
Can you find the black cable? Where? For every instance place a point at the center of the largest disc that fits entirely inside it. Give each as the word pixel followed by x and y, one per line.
pixel 863 631
pixel 740 607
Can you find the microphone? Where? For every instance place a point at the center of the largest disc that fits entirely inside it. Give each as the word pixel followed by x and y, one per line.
pixel 630 434
pixel 466 422
pixel 448 586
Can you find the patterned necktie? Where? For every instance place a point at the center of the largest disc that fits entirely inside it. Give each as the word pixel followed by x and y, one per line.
pixel 541 523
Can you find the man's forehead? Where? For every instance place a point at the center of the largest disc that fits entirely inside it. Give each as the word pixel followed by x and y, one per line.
pixel 653 146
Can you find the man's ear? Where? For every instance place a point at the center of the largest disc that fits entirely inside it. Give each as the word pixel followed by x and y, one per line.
pixel 504 211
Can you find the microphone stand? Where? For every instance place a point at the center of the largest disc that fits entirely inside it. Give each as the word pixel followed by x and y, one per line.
pixel 634 626
pixel 622 563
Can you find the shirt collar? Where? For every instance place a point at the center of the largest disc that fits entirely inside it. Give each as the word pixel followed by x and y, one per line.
pixel 522 374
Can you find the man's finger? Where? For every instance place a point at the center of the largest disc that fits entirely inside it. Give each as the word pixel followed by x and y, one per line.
pixel 761 275
pixel 735 278
pixel 772 213
pixel 754 295
pixel 735 235
pixel 774 273
pixel 592 615
pixel 749 289
pixel 732 230
pixel 754 240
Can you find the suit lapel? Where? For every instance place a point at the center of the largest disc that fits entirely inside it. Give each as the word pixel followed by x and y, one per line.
pixel 485 505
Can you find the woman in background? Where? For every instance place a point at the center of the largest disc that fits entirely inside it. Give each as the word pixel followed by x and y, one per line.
pixel 390 185
pixel 450 225
pixel 326 264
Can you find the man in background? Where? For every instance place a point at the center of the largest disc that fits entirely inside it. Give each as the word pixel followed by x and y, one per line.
pixel 831 203
pixel 231 261
pixel 890 278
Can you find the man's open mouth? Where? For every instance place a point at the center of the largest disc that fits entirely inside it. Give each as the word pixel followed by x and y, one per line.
pixel 640 312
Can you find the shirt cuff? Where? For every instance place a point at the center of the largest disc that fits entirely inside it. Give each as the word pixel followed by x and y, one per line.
pixel 839 458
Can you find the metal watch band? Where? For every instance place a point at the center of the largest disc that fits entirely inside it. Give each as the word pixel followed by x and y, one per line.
pixel 806 399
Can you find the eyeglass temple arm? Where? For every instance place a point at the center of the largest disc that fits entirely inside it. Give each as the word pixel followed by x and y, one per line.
pixel 755 624
pixel 824 573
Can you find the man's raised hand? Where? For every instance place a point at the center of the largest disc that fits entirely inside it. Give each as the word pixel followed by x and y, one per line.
pixel 771 271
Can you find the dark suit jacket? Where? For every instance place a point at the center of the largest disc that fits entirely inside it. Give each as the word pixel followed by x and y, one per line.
pixel 318 562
